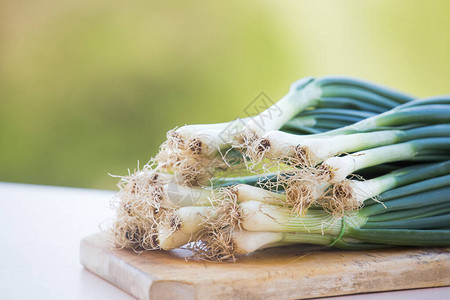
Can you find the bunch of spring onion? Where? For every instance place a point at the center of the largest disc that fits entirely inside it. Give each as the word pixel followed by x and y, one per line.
pixel 326 130
pixel 330 103
pixel 196 152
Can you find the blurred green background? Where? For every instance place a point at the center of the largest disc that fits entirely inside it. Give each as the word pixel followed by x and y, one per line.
pixel 90 87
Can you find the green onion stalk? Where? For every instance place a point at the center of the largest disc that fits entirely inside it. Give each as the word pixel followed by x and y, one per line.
pixel 318 120
pixel 194 152
pixel 278 145
pixel 335 170
pixel 315 150
pixel 350 195
pixel 435 100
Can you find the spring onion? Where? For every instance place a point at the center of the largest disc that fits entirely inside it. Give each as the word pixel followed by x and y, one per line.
pixel 293 174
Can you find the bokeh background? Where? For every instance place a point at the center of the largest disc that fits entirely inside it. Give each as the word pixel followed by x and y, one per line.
pixel 90 87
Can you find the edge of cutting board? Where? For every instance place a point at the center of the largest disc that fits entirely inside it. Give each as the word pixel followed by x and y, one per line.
pixel 294 272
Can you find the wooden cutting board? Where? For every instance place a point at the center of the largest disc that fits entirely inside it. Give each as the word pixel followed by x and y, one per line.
pixel 294 272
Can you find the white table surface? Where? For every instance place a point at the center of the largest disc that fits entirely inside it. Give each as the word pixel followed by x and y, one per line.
pixel 41 229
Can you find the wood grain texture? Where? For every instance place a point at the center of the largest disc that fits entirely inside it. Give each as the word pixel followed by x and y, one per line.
pixel 294 272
